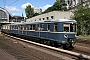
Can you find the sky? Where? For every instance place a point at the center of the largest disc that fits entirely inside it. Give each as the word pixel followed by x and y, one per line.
pixel 17 7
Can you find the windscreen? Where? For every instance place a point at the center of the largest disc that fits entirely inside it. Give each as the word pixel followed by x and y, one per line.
pixel 69 27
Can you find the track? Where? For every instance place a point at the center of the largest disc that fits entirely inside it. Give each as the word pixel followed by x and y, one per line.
pixel 81 48
pixel 59 52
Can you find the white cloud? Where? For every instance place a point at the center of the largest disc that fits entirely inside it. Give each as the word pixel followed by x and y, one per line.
pixel 45 7
pixel 12 8
pixel 26 4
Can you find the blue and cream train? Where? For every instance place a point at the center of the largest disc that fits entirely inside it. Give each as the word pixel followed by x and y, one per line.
pixel 60 32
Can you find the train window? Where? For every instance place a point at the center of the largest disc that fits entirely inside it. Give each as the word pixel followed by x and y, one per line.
pixel 30 27
pixel 8 27
pixel 72 27
pixel 39 27
pixel 48 27
pixel 3 27
pixel 42 27
pixel 26 27
pixel 55 27
pixel 11 27
pixel 33 27
pixel 66 27
pixel 16 27
pixel 22 27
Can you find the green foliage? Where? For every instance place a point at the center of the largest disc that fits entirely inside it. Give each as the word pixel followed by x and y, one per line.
pixel 84 37
pixel 82 15
pixel 1 35
pixel 59 5
pixel 29 11
pixel 35 14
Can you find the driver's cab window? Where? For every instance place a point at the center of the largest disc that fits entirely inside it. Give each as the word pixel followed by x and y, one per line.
pixel 66 27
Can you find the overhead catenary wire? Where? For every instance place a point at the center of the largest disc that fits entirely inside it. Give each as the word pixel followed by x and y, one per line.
pixel 13 2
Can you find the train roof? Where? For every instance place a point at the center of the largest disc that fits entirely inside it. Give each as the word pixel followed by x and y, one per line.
pixel 45 21
pixel 60 20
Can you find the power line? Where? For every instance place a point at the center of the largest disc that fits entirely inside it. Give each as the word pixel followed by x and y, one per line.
pixel 13 2
pixel 4 1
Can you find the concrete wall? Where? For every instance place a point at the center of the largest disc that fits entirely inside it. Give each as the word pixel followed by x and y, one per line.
pixel 51 15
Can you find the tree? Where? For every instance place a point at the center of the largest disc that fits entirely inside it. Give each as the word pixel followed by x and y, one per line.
pixel 59 5
pixel 82 15
pixel 29 11
pixel 35 14
pixel 48 10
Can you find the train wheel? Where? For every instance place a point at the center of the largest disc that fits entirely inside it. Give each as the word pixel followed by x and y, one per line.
pixel 71 47
pixel 48 43
pixel 52 43
pixel 67 47
pixel 41 42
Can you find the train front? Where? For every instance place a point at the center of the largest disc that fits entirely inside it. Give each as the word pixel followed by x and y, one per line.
pixel 70 29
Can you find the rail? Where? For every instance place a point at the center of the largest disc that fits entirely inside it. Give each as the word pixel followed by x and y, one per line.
pixel 54 48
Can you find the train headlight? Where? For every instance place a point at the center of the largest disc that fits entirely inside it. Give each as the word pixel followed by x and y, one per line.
pixel 66 36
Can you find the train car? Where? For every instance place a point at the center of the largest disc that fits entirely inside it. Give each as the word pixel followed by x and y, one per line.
pixel 55 32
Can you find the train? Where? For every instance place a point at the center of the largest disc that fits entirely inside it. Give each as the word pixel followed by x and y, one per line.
pixel 54 32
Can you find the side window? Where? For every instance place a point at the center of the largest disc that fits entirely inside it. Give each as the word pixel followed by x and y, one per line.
pixel 26 27
pixel 55 27
pixel 72 27
pixel 48 27
pixel 3 27
pixel 16 27
pixel 39 27
pixel 66 27
pixel 22 27
pixel 33 27
pixel 30 27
